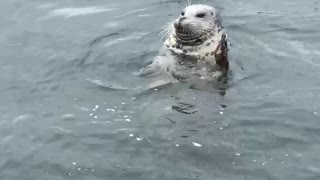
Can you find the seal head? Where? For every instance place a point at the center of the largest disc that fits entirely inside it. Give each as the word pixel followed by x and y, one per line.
pixel 196 24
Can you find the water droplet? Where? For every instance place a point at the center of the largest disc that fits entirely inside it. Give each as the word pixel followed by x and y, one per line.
pixel 112 110
pixel 196 144
pixel 138 139
pixel 282 162
pixel 93 109
pixel 286 155
pixel 79 169
pixel 254 160
pixel 123 103
pixel 92 170
pixel 91 114
pixel 69 174
pixel 177 145
pixel 221 128
pixel 315 112
pixel 221 112
pixel 233 163
pixel 156 89
pixel 97 106
pixel 128 120
pixel 131 135
pixel 74 163
pixel 237 154
pixel 96 117
pixel 125 116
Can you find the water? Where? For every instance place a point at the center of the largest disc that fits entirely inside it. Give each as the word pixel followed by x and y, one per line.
pixel 72 108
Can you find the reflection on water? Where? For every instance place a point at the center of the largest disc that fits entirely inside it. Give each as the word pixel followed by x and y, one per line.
pixel 73 108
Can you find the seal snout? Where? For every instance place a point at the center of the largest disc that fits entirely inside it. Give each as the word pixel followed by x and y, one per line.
pixel 178 24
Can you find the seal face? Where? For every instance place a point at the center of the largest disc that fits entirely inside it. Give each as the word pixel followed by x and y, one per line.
pixel 195 46
pixel 196 24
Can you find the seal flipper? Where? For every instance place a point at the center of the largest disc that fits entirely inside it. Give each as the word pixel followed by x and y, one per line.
pixel 158 66
pixel 222 58
pixel 152 69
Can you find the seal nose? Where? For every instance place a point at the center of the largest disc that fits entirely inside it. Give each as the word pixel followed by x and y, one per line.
pixel 181 19
pixel 178 24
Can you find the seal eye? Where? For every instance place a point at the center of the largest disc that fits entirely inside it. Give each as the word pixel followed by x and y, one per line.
pixel 201 15
pixel 182 14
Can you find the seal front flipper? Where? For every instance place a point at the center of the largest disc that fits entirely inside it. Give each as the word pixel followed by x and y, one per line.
pixel 151 69
pixel 156 67
pixel 222 57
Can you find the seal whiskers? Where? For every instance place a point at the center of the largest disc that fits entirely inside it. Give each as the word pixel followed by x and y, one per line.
pixel 166 29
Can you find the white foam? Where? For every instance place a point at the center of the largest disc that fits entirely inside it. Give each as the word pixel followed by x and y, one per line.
pixel 196 144
pixel 21 118
pixel 144 15
pixel 128 120
pixel 71 12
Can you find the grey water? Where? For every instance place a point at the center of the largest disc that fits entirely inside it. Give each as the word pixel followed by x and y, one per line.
pixel 73 108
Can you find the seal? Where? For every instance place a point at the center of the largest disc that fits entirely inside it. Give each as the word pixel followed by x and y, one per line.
pixel 195 47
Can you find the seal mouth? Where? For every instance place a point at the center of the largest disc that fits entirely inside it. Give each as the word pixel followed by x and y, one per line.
pixel 189 39
pixel 187 35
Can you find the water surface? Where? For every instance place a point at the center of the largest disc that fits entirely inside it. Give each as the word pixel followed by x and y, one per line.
pixel 71 107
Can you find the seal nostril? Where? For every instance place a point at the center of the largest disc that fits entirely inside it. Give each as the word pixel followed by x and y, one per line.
pixel 182 18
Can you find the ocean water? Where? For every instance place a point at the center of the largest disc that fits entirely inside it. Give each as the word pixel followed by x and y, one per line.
pixel 73 108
